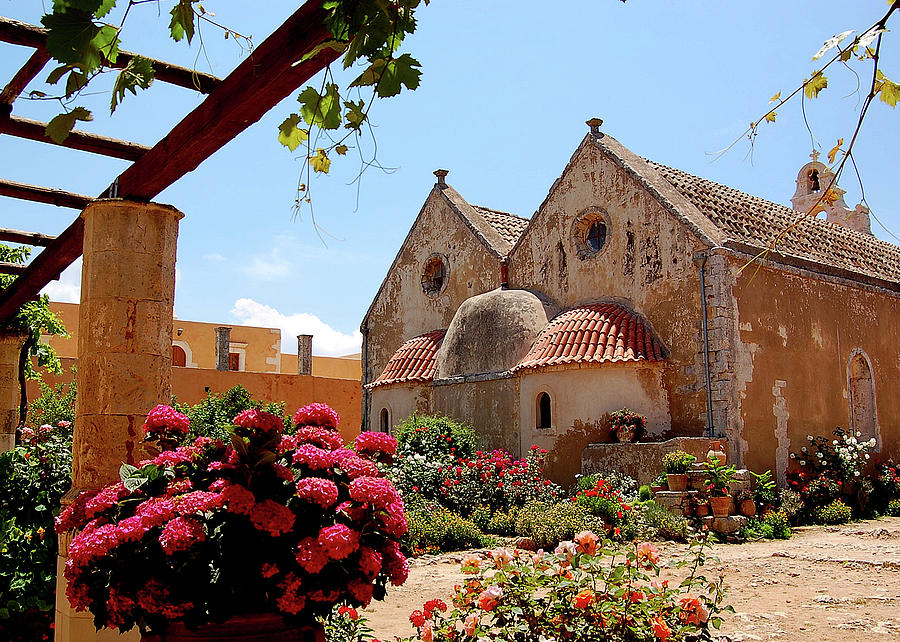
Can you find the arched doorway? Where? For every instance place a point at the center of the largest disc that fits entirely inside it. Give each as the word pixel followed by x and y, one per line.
pixel 863 416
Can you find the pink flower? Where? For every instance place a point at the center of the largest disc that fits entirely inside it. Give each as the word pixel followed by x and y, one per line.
pixel 417 618
pixel 470 625
pixel 254 419
pixel 361 591
pixel 271 517
pixel 310 555
pixel 489 598
pixel 375 442
pixel 358 467
pixel 377 491
pixel 647 555
pixel 395 564
pixel 311 456
pixel 470 563
pixel 349 611
pixel 291 601
pixel 587 542
pixel 316 435
pixel 106 498
pixel 156 511
pixel 501 557
pixel 323 492
pixel 427 634
pixel 369 561
pixel 317 414
pixel 166 420
pixel 338 541
pixel 180 533
pixel 198 501
pixel 239 499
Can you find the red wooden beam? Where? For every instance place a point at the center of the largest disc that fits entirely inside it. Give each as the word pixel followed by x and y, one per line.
pixel 261 81
pixel 25 75
pixel 25 238
pixel 47 195
pixel 34 130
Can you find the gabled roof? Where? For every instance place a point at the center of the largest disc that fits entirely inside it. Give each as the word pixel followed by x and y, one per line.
pixel 497 230
pixel 757 222
pixel 415 360
pixel 508 226
pixel 595 333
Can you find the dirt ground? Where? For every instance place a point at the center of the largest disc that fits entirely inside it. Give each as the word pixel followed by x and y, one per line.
pixel 839 583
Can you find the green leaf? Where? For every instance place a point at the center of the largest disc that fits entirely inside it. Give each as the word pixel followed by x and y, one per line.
pixel 337 45
pixel 59 127
pixel 813 86
pixel 127 470
pixel 75 83
pixel 97 7
pixel 182 23
pixel 354 116
pixel 70 38
pixel 390 76
pixel 107 42
pixel 137 73
pixel 321 110
pixel 320 162
pixel 290 134
pixel 58 73
pixel 887 90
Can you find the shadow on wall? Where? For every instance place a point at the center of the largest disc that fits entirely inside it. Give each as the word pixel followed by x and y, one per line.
pixel 564 459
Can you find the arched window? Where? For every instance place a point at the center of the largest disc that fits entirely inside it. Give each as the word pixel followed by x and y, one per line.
pixel 863 418
pixel 179 357
pixel 385 420
pixel 543 411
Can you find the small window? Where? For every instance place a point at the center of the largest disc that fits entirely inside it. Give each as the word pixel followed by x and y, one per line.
pixel 434 276
pixel 179 357
pixel 234 361
pixel 543 411
pixel 385 420
pixel 596 236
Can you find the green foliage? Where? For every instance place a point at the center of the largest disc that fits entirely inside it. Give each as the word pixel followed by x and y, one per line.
pixel 346 624
pixel 790 503
pixel 780 523
pixel 436 436
pixel 718 477
pixel 654 521
pixel 138 73
pixel 893 508
pixel 548 524
pixel 645 494
pixel 213 416
pixel 434 529
pixel 55 404
pixel 837 512
pixel 765 492
pixel 677 462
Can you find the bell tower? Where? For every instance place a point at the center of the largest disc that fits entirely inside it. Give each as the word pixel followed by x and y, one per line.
pixel 817 191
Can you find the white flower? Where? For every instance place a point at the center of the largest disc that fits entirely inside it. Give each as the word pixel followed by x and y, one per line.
pixel 856 473
pixel 804 449
pixel 834 443
pixel 793 456
pixel 853 440
pixel 872 442
pixel 809 437
pixel 858 434
pixel 867 455
pixel 819 455
pixel 802 463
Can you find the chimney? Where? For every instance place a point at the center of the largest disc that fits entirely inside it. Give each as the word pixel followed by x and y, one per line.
pixel 441 176
pixel 223 343
pixel 304 354
pixel 594 124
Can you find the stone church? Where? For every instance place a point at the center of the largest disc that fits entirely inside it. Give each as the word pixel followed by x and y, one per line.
pixel 635 284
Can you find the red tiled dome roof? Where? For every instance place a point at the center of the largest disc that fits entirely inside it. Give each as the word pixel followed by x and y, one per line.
pixel 413 361
pixel 596 333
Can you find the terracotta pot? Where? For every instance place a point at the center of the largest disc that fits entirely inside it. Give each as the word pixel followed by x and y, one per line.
pixel 624 434
pixel 657 489
pixel 721 506
pixel 260 627
pixel 702 510
pixel 716 450
pixel 677 482
pixel 748 508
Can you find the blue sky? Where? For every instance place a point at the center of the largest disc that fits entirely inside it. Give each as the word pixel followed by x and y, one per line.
pixel 506 88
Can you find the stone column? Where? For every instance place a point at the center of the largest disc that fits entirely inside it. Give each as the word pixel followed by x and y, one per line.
pixel 304 354
pixel 124 355
pixel 11 343
pixel 223 345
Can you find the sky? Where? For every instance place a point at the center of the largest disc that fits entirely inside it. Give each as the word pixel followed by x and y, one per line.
pixel 506 88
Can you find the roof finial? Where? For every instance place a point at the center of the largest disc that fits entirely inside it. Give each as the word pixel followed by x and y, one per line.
pixel 594 124
pixel 815 155
pixel 441 176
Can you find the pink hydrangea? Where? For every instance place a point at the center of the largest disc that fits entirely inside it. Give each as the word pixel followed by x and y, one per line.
pixel 394 563
pixel 239 499
pixel 317 414
pixel 105 499
pixel 369 561
pixel 156 511
pixel 73 516
pixel 323 492
pixel 361 591
pixel 198 501
pixel 131 529
pixel 291 600
pixel 338 541
pixel 166 419
pixel 358 467
pixel 328 439
pixel 375 442
pixel 254 419
pixel 311 555
pixel 394 521
pixel 311 456
pixel 272 518
pixel 377 491
pixel 180 533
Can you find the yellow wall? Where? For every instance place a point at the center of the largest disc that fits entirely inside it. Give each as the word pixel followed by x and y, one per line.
pixel 334 367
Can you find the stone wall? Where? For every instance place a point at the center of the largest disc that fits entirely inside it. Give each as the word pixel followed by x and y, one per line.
pixel 642 461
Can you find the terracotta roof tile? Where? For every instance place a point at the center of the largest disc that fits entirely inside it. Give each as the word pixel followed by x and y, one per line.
pixel 756 221
pixel 508 226
pixel 596 333
pixel 413 361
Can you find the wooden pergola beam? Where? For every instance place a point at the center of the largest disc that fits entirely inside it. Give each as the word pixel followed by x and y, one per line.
pixel 50 196
pixel 271 72
pixel 21 33
pixel 25 75
pixel 25 238
pixel 11 268
pixel 96 144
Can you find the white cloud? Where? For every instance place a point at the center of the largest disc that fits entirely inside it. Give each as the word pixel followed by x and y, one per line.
pixel 326 340
pixel 68 288
pixel 269 266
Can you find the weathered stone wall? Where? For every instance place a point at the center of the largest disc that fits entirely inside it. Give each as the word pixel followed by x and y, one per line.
pixel 646 263
pixel 11 343
pixel 797 336
pixel 491 406
pixel 580 399
pixel 642 461
pixel 400 400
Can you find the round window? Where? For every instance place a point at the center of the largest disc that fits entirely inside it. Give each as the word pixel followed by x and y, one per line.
pixel 434 276
pixel 590 232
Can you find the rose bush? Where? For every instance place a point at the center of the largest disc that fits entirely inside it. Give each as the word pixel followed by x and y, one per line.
pixel 271 522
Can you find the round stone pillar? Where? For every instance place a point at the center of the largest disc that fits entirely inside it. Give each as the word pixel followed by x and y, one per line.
pixel 11 343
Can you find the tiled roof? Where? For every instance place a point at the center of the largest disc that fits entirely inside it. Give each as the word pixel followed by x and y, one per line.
pixel 508 226
pixel 596 333
pixel 413 361
pixel 757 222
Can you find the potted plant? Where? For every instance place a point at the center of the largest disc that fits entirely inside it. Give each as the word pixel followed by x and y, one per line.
pixel 718 478
pixel 218 541
pixel 659 483
pixel 743 499
pixel 700 506
pixel 676 464
pixel 627 425
pixel 765 493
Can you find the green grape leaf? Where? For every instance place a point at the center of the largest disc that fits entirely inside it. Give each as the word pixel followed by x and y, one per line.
pixel 814 85
pixel 888 91
pixel 321 110
pixel 70 38
pixel 371 75
pixel 107 42
pixel 97 7
pixel 182 23
pixel 75 83
pixel 390 76
pixel 58 73
pixel 138 73
pixel 290 134
pixel 337 45
pixel 320 162
pixel 354 116
pixel 59 127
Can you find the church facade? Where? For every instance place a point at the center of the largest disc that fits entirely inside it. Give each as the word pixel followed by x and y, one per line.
pixel 638 285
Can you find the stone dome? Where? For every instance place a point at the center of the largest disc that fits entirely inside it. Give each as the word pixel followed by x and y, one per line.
pixel 491 332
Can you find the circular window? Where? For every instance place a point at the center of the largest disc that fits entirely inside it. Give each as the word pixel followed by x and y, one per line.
pixel 590 232
pixel 434 276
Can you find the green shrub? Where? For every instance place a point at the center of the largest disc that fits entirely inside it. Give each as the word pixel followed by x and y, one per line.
pixel 212 416
pixel 757 529
pixel 780 523
pixel 677 462
pixel 54 405
pixel 766 492
pixel 436 437
pixel 645 494
pixel 654 521
pixel 790 503
pixel 481 517
pixel 549 524
pixel 837 512
pixel 435 529
pixel 502 523
pixel 893 508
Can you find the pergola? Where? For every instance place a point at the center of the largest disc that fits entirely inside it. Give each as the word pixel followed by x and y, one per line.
pixel 128 244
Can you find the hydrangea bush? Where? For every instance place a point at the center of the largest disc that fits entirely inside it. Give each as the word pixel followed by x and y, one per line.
pixel 270 522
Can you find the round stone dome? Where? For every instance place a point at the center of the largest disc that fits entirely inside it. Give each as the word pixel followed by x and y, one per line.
pixel 491 332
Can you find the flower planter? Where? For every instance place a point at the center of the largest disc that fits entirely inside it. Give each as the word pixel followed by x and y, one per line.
pixel 657 489
pixel 261 627
pixel 702 510
pixel 677 482
pixel 748 508
pixel 623 434
pixel 721 506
